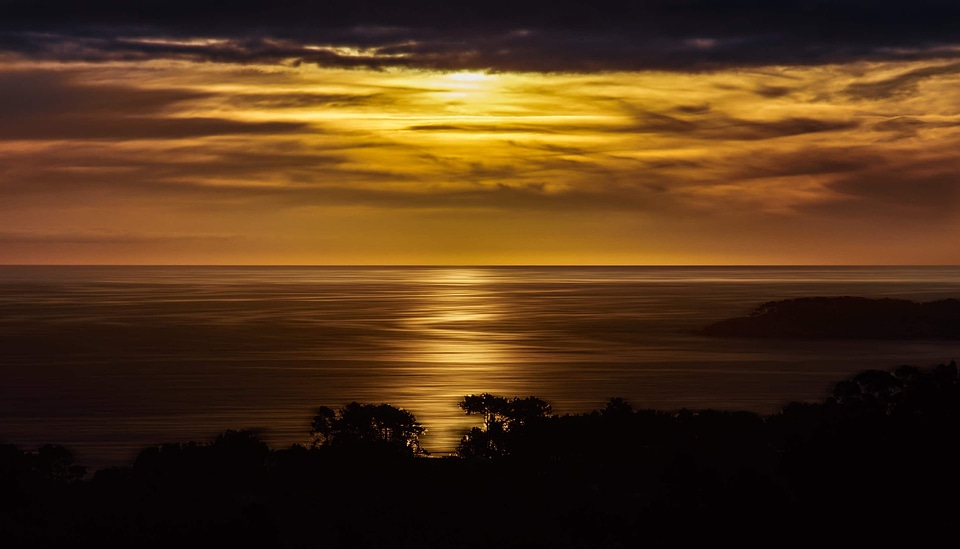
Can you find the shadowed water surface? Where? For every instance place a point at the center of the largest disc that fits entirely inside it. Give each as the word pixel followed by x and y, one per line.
pixel 108 360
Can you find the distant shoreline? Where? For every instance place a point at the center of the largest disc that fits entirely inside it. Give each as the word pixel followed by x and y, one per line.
pixel 845 317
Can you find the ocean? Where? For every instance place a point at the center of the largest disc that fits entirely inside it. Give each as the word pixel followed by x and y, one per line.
pixel 110 360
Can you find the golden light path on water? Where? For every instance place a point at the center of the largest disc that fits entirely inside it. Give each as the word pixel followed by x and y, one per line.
pixel 451 354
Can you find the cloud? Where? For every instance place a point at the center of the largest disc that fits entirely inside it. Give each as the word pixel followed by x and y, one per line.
pixel 49 105
pixel 901 84
pixel 693 109
pixel 307 100
pixel 143 127
pixel 28 92
pixel 926 184
pixel 906 127
pixel 772 92
pixel 492 127
pixel 803 161
pixel 288 175
pixel 295 155
pixel 716 126
pixel 536 35
pixel 722 127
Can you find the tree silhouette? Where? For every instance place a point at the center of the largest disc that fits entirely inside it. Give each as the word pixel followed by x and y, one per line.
pixel 502 418
pixel 371 426
pixel 617 407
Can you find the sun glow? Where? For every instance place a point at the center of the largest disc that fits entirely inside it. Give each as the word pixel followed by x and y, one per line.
pixel 469 76
pixel 471 167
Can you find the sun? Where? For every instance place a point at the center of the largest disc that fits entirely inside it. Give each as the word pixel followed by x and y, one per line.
pixel 468 76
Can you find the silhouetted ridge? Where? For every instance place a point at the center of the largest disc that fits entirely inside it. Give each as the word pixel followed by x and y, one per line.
pixel 845 318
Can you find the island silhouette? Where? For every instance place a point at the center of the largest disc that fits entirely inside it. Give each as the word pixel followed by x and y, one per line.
pixel 845 318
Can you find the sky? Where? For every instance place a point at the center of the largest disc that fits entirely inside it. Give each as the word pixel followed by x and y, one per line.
pixel 546 132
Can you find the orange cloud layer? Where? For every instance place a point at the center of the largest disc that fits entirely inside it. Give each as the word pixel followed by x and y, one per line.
pixel 179 162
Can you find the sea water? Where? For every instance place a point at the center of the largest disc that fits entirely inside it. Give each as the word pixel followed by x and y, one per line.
pixel 109 360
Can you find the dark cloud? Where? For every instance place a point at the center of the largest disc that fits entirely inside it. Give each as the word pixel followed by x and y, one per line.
pixel 772 92
pixel 904 127
pixel 494 127
pixel 552 149
pixel 89 127
pixel 704 19
pixel 652 122
pixel 900 84
pixel 30 92
pixel 722 127
pixel 271 179
pixel 804 161
pixel 709 127
pixel 861 182
pixel 48 105
pixel 694 109
pixel 281 100
pixel 670 164
pixel 78 172
pixel 926 184
pixel 528 196
pixel 535 35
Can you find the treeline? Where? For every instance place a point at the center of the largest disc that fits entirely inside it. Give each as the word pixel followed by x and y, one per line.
pixel 878 457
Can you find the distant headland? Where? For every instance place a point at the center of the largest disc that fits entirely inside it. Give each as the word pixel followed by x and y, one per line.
pixel 845 318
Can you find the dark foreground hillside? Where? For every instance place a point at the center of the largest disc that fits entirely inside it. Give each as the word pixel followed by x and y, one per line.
pixel 846 318
pixel 875 460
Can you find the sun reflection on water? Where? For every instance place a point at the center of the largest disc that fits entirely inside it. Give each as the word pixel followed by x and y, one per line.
pixel 453 323
pixel 453 350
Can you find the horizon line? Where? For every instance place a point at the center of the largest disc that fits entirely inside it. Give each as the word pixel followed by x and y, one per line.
pixel 491 265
